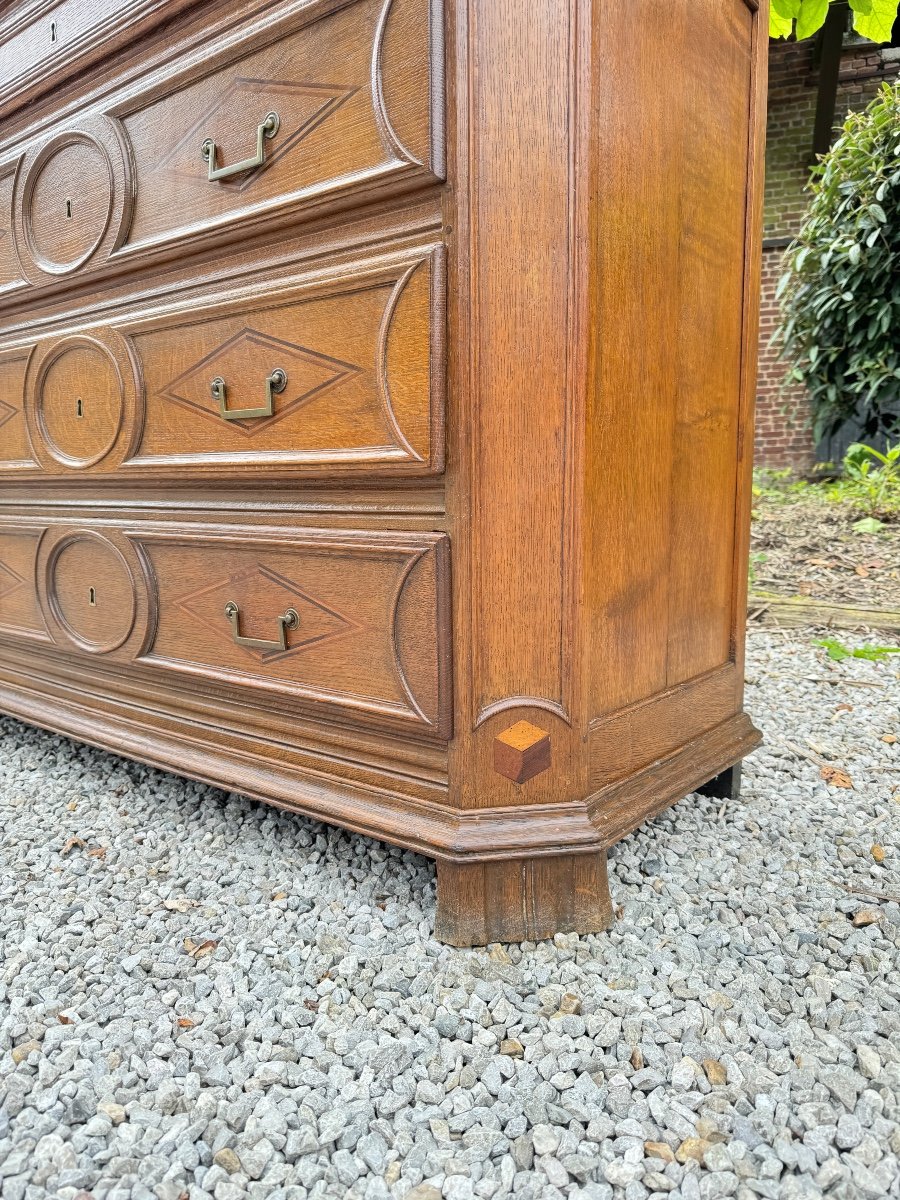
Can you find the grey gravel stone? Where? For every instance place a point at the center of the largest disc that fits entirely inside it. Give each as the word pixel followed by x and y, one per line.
pixel 327 1048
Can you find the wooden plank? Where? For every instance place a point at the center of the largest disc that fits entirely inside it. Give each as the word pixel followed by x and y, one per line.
pixel 628 740
pixel 796 612
pixel 640 115
pixel 716 56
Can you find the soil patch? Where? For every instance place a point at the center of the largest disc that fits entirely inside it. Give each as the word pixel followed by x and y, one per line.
pixel 807 546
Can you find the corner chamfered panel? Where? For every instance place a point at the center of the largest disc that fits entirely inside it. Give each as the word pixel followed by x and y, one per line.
pixel 20 614
pixel 361 360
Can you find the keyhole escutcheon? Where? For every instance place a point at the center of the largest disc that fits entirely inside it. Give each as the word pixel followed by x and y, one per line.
pixel 69 209
pixel 53 32
pixel 92 598
pixel 79 407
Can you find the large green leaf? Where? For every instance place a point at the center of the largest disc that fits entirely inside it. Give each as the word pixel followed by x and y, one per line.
pixel 812 17
pixel 873 19
pixel 877 23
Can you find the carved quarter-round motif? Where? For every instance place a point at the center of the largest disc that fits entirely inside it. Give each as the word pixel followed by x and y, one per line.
pixel 83 401
pixel 94 590
pixel 73 199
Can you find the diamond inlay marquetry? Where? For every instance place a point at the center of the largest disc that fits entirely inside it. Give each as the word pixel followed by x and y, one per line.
pixel 244 361
pixel 301 108
pixel 262 594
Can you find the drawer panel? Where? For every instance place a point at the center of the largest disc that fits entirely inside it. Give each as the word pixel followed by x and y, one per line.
pixel 42 41
pixel 20 614
pixel 338 373
pixel 370 628
pixel 305 110
pixel 353 93
pixel 337 623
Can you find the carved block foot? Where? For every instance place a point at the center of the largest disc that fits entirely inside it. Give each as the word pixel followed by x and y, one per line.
pixel 523 899
pixel 726 786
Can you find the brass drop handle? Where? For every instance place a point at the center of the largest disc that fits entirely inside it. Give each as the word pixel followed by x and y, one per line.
pixel 276 382
pixel 287 620
pixel 268 129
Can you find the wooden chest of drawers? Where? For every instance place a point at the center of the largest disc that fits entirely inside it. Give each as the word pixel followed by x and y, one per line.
pixel 376 384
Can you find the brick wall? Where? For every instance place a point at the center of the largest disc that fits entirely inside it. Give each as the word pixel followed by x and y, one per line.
pixel 783 436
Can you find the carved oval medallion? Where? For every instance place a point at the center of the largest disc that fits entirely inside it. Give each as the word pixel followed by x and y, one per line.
pixel 83 401
pixel 69 204
pixel 73 199
pixel 96 591
pixel 92 592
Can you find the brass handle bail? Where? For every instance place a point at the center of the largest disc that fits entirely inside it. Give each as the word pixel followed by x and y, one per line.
pixel 267 129
pixel 287 620
pixel 276 382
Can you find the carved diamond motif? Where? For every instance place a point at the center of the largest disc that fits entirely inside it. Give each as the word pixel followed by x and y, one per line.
pixel 10 581
pixel 262 595
pixel 7 412
pixel 244 362
pixel 301 107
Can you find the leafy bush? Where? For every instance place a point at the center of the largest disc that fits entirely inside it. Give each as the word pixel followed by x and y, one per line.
pixel 872 19
pixel 840 293
pixel 871 481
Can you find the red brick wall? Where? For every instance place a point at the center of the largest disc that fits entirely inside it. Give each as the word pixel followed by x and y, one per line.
pixel 783 435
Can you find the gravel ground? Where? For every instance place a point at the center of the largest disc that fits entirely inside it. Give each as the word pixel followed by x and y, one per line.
pixel 201 996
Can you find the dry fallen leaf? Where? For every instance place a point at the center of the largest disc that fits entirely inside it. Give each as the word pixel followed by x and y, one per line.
pixel 179 904
pixel 97 852
pixel 836 777
pixel 185 1023
pixel 637 1059
pixel 890 738
pixel 862 572
pixel 866 916
pixel 72 806
pixel 64 1020
pixel 878 853
pixel 71 843
pixel 279 896
pixel 199 949
pixel 844 708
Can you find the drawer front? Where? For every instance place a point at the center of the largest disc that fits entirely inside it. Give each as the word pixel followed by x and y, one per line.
pixel 304 110
pixel 339 623
pixel 41 41
pixel 319 376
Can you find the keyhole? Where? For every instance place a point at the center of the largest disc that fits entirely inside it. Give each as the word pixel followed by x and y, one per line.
pixel 92 597
pixel 52 31
pixel 69 209
pixel 79 407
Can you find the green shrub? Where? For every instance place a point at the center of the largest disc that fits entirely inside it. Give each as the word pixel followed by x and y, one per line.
pixel 840 293
pixel 871 481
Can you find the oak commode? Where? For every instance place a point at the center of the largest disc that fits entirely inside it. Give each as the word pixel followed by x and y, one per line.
pixel 376 387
